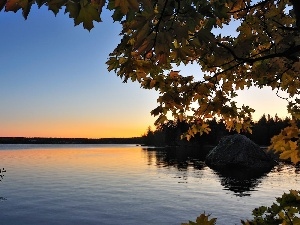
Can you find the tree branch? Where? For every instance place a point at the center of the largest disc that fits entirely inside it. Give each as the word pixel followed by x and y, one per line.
pixel 253 6
pixel 286 54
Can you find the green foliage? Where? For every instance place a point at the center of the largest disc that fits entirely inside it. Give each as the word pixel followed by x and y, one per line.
pixel 284 211
pixel 157 35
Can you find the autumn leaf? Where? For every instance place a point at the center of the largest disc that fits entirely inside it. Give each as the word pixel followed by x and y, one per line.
pixel 203 219
pixel 126 5
pixel 56 5
pixel 287 143
pixel 87 14
pixel 204 128
pixel 73 9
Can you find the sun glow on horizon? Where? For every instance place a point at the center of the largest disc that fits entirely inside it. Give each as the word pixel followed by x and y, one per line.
pixel 75 130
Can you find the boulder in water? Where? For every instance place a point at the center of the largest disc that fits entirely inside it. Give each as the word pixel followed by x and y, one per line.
pixel 238 151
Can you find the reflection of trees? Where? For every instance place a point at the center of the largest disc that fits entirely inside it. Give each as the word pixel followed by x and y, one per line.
pixel 2 171
pixel 178 157
pixel 240 182
pixel 240 187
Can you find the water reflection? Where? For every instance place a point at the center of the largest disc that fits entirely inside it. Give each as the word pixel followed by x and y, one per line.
pixel 110 185
pixel 2 171
pixel 240 182
pixel 178 157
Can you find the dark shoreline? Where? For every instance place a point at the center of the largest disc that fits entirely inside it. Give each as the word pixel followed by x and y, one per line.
pixel 41 140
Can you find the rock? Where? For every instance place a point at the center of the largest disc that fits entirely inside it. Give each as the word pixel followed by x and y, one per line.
pixel 238 151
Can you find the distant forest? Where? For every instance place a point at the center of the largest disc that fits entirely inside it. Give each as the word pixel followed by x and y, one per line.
pixel 169 134
pixel 39 140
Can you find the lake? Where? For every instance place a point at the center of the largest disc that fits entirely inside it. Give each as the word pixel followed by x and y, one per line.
pixel 126 184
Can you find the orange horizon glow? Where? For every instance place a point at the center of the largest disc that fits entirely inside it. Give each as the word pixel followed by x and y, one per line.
pixel 74 130
pixel 124 133
pixel 81 130
pixel 119 126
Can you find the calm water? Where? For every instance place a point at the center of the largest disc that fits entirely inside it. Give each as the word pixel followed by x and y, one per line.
pixel 123 184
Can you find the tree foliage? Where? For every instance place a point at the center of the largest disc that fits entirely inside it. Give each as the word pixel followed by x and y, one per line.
pixel 170 132
pixel 284 211
pixel 203 219
pixel 158 35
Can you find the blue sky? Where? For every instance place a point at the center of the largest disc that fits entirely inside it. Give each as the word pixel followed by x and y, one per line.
pixel 54 81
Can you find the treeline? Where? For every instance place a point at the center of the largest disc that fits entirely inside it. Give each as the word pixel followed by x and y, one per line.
pixel 39 140
pixel 169 134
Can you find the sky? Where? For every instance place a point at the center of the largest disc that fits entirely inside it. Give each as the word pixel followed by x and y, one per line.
pixel 54 81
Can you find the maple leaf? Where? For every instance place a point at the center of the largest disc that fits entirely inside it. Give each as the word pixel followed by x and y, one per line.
pixel 203 219
pixel 126 5
pixel 87 14
pixel 56 5
pixel 73 9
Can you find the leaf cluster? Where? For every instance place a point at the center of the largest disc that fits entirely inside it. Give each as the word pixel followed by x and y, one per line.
pixel 284 211
pixel 287 143
pixel 81 11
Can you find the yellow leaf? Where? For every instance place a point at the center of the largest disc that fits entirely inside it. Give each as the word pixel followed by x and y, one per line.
pixel 286 154
pixel 204 129
pixel 293 145
pixel 194 129
pixel 295 156
pixel 122 60
pixel 238 127
pixel 229 124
